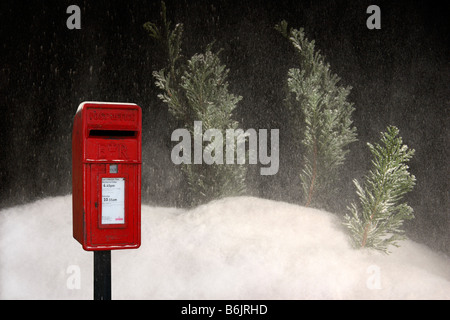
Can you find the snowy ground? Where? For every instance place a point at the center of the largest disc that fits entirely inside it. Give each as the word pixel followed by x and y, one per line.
pixel 237 248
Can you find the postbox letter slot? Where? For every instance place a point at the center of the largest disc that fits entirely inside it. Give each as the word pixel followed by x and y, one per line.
pixel 112 133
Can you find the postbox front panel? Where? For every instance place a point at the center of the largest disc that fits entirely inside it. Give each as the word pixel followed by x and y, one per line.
pixel 114 215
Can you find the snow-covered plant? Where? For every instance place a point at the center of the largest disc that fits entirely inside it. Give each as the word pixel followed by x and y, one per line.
pixel 322 113
pixel 206 90
pixel 377 221
pixel 197 90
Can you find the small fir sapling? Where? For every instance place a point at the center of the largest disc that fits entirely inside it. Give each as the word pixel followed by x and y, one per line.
pixel 322 114
pixel 376 223
pixel 197 90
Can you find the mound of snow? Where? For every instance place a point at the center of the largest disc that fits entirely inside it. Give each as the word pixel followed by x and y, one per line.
pixel 236 248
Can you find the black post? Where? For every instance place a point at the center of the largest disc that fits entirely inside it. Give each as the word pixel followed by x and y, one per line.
pixel 102 275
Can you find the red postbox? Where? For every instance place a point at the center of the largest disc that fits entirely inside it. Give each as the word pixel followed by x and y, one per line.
pixel 106 175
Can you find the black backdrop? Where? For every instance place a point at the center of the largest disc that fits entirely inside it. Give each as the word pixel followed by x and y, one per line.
pixel 399 74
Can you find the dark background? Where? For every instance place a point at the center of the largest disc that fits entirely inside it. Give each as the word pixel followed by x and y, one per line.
pixel 400 76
